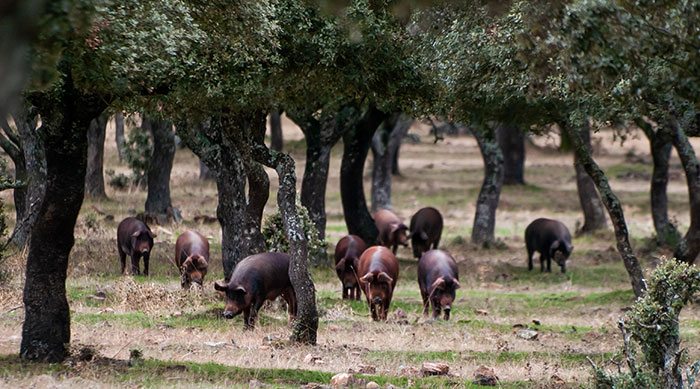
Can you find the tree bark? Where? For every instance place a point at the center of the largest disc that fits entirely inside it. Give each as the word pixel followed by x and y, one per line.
pixel 95 181
pixel 385 144
pixel 395 164
pixel 320 136
pixel 512 143
pixel 66 114
pixel 214 143
pixel 660 144
pixel 205 173
pixel 688 247
pixel 612 203
pixel 356 144
pixel 306 323
pixel 591 205
pixel 483 232
pixel 158 200
pixel 276 139
pixel 120 139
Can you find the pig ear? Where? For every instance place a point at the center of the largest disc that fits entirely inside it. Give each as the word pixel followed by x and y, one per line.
pixel 402 227
pixel 439 283
pixel 456 283
pixel 240 289
pixel 188 263
pixel 340 266
pixel 423 235
pixel 383 277
pixel 136 234
pixel 220 286
pixel 201 262
pixel 151 234
pixel 367 277
pixel 554 245
pixel 569 247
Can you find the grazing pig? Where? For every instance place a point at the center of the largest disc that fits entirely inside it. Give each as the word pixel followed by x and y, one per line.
pixel 347 254
pixel 438 279
pixel 392 232
pixel 255 279
pixel 378 270
pixel 135 239
pixel 426 228
pixel 551 239
pixel 192 257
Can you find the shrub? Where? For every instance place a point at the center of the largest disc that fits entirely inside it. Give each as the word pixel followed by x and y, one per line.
pixel 652 328
pixel 276 238
pixel 137 154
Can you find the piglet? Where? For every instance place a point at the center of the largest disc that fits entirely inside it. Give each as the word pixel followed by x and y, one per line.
pixel 192 257
pixel 255 279
pixel 392 231
pixel 135 239
pixel 438 278
pixel 551 239
pixel 378 270
pixel 426 229
pixel 347 254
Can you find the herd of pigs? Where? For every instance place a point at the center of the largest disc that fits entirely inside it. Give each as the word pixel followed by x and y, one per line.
pixel 374 270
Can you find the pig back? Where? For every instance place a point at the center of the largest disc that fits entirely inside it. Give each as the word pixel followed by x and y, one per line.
pixel 350 246
pixel 125 230
pixel 376 259
pixel 428 220
pixel 263 274
pixel 542 232
pixel 191 242
pixel 435 264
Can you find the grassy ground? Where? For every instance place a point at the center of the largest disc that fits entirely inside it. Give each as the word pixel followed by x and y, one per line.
pixel 184 340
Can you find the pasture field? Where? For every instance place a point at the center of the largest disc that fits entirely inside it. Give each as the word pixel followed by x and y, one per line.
pixel 179 338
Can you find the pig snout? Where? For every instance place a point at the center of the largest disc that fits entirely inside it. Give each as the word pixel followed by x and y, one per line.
pixel 228 315
pixel 447 310
pixel 197 281
pixel 377 300
pixel 349 285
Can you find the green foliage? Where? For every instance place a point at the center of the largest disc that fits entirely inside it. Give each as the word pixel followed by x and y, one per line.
pixel 137 154
pixel 276 237
pixel 653 328
pixel 117 181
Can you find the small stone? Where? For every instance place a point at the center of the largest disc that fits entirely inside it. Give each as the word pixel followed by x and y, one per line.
pixel 214 344
pixel 256 384
pixel 313 359
pixel 528 334
pixel 342 379
pixel 372 385
pixel 482 312
pixel 333 327
pixel 485 376
pixel 105 311
pixel 177 314
pixel 536 322
pixel 428 369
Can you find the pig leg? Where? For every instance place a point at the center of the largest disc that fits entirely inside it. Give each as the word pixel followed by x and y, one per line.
pixel 373 311
pixel 549 264
pixel 435 244
pixel 135 263
pixel 394 248
pixel 122 257
pixel 146 257
pixel 345 292
pixel 247 325
pixel 436 311
pixel 529 258
pixel 357 292
pixel 289 297
pixel 426 303
pixel 385 309
pixel 254 312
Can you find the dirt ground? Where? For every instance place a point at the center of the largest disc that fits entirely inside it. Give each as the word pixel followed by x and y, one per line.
pixel 534 329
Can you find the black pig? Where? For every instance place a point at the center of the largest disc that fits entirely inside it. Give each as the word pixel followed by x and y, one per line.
pixel 135 239
pixel 551 239
pixel 426 228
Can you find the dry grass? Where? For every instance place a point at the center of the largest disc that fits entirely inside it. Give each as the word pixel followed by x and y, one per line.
pixel 577 312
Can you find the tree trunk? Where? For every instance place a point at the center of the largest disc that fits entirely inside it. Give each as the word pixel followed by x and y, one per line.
pixel 512 143
pixel 205 173
pixel 306 323
pixel 320 136
pixel 214 143
pixel 95 181
pixel 688 247
pixel 119 135
pixel 66 115
pixel 487 202
pixel 276 139
pixel 612 203
pixel 385 144
pixel 592 206
pixel 395 164
pixel 258 193
pixel 356 144
pixel 158 201
pixel 660 144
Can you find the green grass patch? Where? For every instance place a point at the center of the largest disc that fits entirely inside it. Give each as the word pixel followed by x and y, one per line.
pixel 484 357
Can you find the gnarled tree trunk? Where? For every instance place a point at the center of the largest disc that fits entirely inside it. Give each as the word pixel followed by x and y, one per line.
pixel 688 247
pixel 158 201
pixel 214 143
pixel 66 114
pixel 660 144
pixel 306 323
pixel 612 203
pixel 356 143
pixel 276 139
pixel 95 180
pixel 512 143
pixel 592 206
pixel 483 232
pixel 119 137
pixel 385 144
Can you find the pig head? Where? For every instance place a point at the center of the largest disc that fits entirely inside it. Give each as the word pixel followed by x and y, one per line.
pixel 193 269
